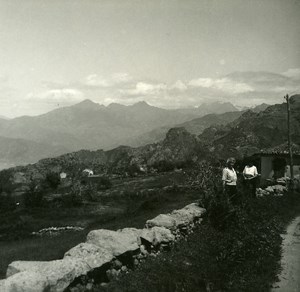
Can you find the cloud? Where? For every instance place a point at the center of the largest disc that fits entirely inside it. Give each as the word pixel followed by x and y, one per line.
pixel 121 78
pixel 293 73
pixel 57 95
pixel 181 86
pixel 224 84
pixel 240 88
pixel 269 82
pixel 95 80
pixel 143 88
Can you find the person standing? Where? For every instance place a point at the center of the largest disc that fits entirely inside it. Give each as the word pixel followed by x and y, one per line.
pixel 250 175
pixel 229 179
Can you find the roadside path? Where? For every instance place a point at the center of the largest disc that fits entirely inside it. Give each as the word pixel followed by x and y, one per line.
pixel 289 278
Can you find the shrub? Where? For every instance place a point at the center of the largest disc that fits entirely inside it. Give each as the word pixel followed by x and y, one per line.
pixel 5 181
pixel 75 196
pixel 164 165
pixel 33 198
pixel 7 203
pixel 104 183
pixel 52 180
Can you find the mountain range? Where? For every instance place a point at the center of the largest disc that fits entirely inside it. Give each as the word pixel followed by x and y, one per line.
pixel 88 125
pixel 244 136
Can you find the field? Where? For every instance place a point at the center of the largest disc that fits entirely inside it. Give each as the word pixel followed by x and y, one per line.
pixel 128 203
pixel 236 248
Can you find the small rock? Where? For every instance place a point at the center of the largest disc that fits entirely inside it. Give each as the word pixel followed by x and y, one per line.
pixel 140 256
pixel 112 274
pixel 143 250
pixel 89 286
pixel 103 284
pixel 117 264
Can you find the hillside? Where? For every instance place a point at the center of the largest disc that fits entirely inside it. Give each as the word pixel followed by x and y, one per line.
pixel 209 108
pixel 89 125
pixel 254 131
pixel 195 126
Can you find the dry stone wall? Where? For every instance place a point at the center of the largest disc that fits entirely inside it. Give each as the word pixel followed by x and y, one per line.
pixel 105 253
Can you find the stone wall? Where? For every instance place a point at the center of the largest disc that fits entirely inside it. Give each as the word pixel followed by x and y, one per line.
pixel 104 255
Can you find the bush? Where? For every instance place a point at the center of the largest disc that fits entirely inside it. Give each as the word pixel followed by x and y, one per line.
pixel 164 165
pixel 34 198
pixel 52 180
pixel 7 203
pixel 104 183
pixel 75 196
pixel 5 181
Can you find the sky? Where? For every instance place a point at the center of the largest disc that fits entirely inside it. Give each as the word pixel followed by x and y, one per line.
pixel 171 53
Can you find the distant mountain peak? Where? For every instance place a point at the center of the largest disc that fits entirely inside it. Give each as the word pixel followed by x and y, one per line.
pixel 116 105
pixel 86 104
pixel 4 117
pixel 141 104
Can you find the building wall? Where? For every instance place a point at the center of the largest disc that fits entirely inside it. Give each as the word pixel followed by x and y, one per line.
pixel 296 169
pixel 267 167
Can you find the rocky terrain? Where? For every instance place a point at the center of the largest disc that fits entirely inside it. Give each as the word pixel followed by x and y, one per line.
pixel 253 131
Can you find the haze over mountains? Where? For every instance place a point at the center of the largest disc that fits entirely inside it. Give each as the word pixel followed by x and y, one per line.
pixel 244 136
pixel 88 125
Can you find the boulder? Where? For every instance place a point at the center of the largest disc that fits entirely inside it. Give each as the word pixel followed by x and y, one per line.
pixel 182 217
pixel 115 242
pixel 93 255
pixel 21 266
pixel 134 232
pixel 47 276
pixel 195 210
pixel 162 220
pixel 157 235
pixel 25 282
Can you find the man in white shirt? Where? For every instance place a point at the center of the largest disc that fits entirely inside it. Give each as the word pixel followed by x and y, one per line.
pixel 229 179
pixel 250 175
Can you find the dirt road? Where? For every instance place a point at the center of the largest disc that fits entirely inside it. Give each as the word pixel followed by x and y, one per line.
pixel 289 278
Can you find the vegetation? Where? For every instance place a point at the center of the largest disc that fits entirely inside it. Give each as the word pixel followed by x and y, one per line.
pixel 127 203
pixel 237 248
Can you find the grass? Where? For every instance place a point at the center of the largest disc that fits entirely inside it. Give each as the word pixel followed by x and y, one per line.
pixel 128 210
pixel 237 248
pixel 240 253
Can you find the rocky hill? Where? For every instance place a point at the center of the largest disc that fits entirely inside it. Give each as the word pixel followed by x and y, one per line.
pixel 195 126
pixel 177 149
pixel 254 131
